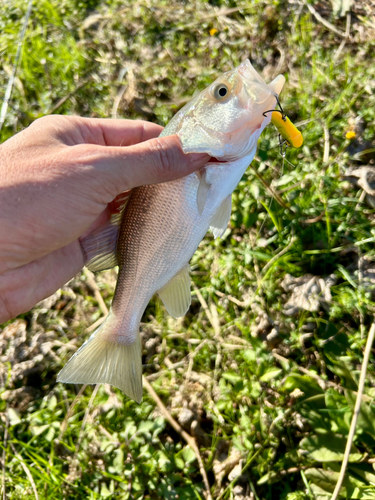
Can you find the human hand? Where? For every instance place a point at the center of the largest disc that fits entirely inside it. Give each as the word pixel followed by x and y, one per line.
pixel 57 178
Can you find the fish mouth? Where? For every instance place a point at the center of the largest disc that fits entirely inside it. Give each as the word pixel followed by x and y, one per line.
pixel 217 160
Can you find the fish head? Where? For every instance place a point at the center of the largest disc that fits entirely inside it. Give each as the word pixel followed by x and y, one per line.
pixel 226 119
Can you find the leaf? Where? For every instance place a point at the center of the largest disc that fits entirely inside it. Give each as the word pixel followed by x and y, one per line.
pixel 179 462
pixel 341 7
pixel 118 461
pixel 304 383
pixel 13 416
pixel 50 434
pixel 268 478
pixel 366 417
pixel 232 377
pixel 270 374
pixel 328 448
pixel 52 402
pixel 275 219
pixel 340 365
pixel 319 493
pixel 327 479
pixel 104 491
pixel 145 427
pixel 363 471
pixel 249 355
pixel 339 410
pixel 163 460
pixel 188 455
pixel 37 430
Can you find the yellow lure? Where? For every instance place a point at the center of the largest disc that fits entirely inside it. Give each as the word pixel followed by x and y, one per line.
pixel 287 130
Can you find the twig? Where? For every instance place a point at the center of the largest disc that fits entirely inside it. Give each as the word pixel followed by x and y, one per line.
pixel 215 319
pixel 280 254
pixel 212 314
pixel 92 283
pixel 361 199
pixel 126 92
pixel 8 92
pixel 321 19
pixel 87 412
pixel 314 219
pixel 173 366
pixel 26 469
pixel 69 413
pixel 218 360
pixel 347 33
pixel 61 101
pixel 192 355
pixel 95 325
pixel 357 408
pixel 203 303
pixel 232 299
pixel 189 440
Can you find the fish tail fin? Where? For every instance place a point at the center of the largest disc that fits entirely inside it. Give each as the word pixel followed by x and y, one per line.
pixel 103 360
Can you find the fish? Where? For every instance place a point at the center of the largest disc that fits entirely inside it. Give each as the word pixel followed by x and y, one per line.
pixel 153 237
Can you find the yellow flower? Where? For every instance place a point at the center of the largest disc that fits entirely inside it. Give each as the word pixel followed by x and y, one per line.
pixel 213 31
pixel 350 135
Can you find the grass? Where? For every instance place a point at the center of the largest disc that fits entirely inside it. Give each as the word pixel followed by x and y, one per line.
pixel 268 395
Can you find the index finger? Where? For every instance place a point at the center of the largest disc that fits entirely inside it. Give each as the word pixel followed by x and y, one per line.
pixel 118 132
pixel 73 130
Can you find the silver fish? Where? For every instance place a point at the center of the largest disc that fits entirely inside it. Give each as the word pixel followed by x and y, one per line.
pixel 161 226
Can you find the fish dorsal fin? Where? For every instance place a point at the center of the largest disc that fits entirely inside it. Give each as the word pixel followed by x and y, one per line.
pixel 99 247
pixel 176 294
pixel 203 188
pixel 219 221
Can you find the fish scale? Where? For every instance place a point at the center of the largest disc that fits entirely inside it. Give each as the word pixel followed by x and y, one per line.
pixel 162 225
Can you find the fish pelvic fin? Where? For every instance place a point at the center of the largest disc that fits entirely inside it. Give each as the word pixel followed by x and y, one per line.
pixel 99 247
pixel 202 191
pixel 102 360
pixel 220 220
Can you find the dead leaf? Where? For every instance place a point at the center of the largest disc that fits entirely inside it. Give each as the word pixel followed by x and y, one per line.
pixel 309 293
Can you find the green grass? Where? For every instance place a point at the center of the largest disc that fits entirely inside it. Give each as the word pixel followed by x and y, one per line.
pixel 267 390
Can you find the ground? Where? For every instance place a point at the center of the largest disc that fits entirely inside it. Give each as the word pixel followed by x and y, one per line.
pixel 251 394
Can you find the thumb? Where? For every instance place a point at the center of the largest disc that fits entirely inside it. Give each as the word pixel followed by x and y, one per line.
pixel 150 162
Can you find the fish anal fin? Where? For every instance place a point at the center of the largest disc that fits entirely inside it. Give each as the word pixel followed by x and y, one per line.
pixel 102 360
pixel 176 294
pixel 219 221
pixel 202 191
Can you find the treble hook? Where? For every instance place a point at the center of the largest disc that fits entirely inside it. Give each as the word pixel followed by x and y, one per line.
pixel 283 115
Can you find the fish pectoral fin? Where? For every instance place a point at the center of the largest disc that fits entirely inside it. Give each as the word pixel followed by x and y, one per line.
pixel 176 294
pixel 103 360
pixel 219 221
pixel 99 247
pixel 203 188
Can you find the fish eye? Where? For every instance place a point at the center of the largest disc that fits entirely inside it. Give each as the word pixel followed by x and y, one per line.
pixel 221 91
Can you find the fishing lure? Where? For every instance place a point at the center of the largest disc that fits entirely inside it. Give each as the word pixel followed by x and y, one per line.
pixel 286 128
